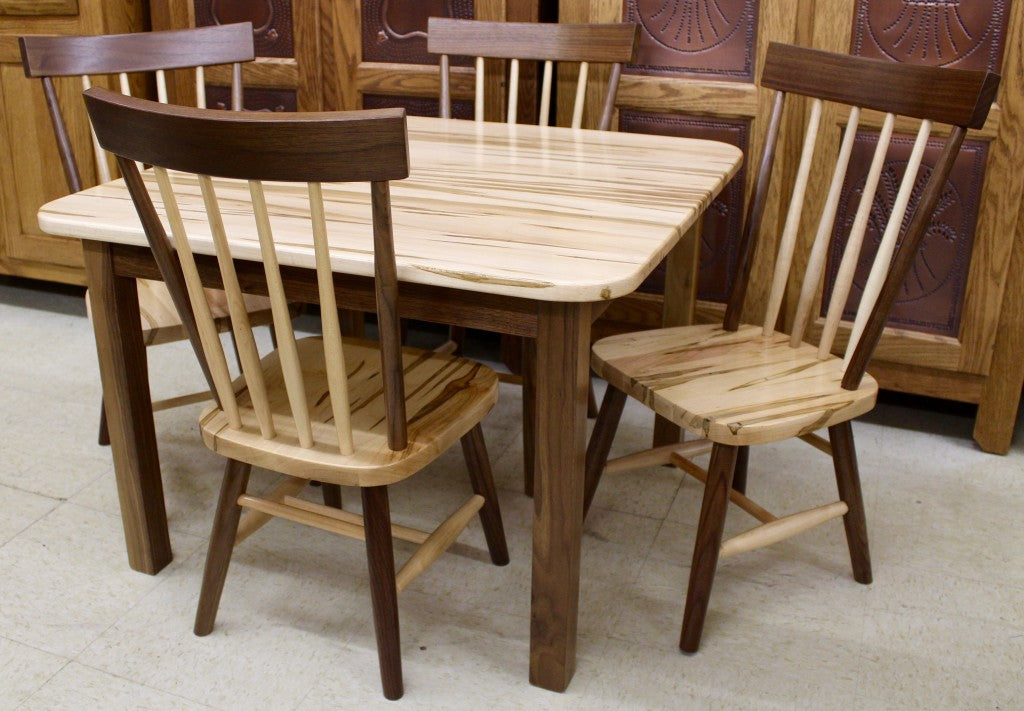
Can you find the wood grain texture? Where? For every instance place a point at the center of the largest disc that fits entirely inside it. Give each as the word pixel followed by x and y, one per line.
pixel 561 391
pixel 610 43
pixel 446 396
pixel 954 96
pixel 707 544
pixel 222 544
pixel 306 147
pixel 122 361
pixel 380 560
pixel 136 52
pixel 38 7
pixel 736 387
pixel 583 44
pixel 538 213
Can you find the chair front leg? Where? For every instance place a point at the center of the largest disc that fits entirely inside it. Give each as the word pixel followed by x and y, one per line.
pixel 601 442
pixel 475 450
pixel 844 458
pixel 707 544
pixel 222 543
pixel 383 592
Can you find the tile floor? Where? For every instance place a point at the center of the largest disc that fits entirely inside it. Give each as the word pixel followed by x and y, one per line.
pixel 941 627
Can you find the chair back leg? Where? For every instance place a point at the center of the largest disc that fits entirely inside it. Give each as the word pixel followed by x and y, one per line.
pixel 331 494
pixel 708 543
pixel 222 543
pixel 844 457
pixel 475 450
pixel 383 591
pixel 739 475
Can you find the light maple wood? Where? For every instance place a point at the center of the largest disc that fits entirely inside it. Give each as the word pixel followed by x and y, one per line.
pixel 816 260
pixel 851 253
pixel 254 520
pixel 782 528
pixel 736 387
pixel 438 542
pixel 404 533
pixel 656 456
pixel 551 225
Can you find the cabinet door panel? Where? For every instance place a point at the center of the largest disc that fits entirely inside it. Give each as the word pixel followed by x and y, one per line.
pixel 30 169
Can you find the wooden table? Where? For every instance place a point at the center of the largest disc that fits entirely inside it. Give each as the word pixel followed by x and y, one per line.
pixel 518 229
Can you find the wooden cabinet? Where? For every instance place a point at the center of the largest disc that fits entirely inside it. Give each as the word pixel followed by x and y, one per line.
pixel 957 331
pixel 30 170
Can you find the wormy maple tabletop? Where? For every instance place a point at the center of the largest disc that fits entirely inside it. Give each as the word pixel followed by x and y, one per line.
pixel 544 213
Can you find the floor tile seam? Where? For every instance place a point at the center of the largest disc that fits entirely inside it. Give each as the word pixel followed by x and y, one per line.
pixel 147 686
pixel 50 678
pixel 157 580
pixel 36 520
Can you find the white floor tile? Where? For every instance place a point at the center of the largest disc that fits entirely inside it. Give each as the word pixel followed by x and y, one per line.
pixel 941 626
pixel 23 670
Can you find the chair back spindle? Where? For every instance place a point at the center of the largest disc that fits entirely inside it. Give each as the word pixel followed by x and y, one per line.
pixel 516 42
pixel 198 145
pixel 928 94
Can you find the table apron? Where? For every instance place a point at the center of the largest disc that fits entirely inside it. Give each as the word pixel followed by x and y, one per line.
pixel 472 309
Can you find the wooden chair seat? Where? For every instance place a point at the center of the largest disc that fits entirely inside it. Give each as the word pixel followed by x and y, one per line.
pixel 445 397
pixel 733 387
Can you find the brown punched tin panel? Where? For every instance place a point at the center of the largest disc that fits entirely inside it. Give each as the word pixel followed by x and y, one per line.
pixel 724 218
pixel 932 296
pixel 707 38
pixel 396 30
pixel 966 34
pixel 271 21
pixel 417 105
pixel 219 97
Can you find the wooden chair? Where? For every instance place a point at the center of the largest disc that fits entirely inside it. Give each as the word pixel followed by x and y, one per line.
pixel 736 385
pixel 353 412
pixel 73 56
pixel 516 42
pixel 546 42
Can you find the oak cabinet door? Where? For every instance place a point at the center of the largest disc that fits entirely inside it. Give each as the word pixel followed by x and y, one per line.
pixel 30 168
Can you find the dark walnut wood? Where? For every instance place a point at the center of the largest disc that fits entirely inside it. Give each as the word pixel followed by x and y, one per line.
pixel 608 43
pixel 955 96
pixel 136 52
pixel 308 147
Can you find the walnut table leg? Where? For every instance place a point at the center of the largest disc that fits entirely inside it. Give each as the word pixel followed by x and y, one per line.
pixel 562 372
pixel 122 360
